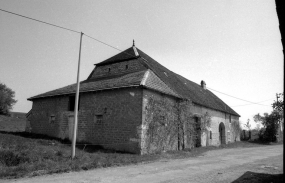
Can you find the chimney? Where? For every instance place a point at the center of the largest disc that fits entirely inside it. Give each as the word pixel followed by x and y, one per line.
pixel 203 85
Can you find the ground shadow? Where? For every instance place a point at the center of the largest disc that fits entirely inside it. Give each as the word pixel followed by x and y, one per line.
pixel 85 146
pixel 264 142
pixel 253 177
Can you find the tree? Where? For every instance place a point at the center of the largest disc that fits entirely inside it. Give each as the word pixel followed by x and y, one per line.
pixel 271 121
pixel 6 99
pixel 278 105
pixel 236 129
pixel 248 125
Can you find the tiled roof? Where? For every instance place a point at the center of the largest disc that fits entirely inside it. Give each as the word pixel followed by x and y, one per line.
pixel 152 81
pixel 157 77
pixel 144 78
pixel 184 87
pixel 132 79
pixel 128 54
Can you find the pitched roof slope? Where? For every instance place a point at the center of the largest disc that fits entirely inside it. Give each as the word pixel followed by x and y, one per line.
pixel 144 78
pixel 184 87
pixel 127 80
pixel 157 77
pixel 128 54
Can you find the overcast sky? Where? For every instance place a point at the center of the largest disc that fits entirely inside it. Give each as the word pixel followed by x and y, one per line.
pixel 235 46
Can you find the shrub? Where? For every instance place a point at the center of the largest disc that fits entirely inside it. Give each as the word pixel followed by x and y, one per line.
pixel 10 158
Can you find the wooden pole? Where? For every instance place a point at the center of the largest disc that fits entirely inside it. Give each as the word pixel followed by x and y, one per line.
pixel 76 103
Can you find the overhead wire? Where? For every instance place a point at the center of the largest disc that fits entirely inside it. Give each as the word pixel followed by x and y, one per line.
pixel 252 104
pixel 107 44
pixel 61 27
pixel 257 103
pixel 238 98
pixel 40 21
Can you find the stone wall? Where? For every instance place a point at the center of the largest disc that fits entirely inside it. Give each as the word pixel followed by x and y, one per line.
pixel 171 117
pixel 119 110
pixel 159 127
pixel 43 109
pixel 217 117
pixel 120 119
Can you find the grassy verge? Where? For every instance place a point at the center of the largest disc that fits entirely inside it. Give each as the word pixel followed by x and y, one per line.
pixel 24 154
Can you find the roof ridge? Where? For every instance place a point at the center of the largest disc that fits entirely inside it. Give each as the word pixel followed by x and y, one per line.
pixel 127 54
pixel 153 70
pixel 184 87
pixel 148 81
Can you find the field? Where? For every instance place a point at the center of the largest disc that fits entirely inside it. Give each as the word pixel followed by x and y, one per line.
pixel 24 155
pixel 15 123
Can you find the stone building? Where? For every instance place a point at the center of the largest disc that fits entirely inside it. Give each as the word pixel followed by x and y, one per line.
pixel 129 103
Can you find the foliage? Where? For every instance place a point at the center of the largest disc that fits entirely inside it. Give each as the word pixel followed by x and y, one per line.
pixel 278 105
pixel 162 128
pixel 6 99
pixel 205 122
pixel 271 121
pixel 187 127
pixel 170 123
pixel 236 129
pixel 271 124
pixel 31 156
pixel 247 125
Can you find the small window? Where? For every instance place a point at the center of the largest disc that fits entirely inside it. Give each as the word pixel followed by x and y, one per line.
pixel 210 134
pixel 52 119
pixel 99 119
pixel 109 69
pixel 127 66
pixel 230 118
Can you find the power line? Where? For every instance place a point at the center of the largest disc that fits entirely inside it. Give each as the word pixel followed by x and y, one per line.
pixel 252 104
pixel 107 44
pixel 65 29
pixel 40 21
pixel 238 98
pixel 102 42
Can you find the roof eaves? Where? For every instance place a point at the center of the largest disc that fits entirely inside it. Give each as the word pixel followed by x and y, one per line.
pixel 216 109
pixel 148 66
pixel 85 91
pixel 166 93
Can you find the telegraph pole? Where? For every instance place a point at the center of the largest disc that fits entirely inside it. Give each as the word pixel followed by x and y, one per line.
pixel 76 103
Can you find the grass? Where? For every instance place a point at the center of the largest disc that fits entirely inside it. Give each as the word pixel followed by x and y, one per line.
pixel 25 155
pixel 12 124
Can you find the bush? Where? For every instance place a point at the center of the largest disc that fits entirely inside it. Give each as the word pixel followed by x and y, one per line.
pixel 271 123
pixel 9 158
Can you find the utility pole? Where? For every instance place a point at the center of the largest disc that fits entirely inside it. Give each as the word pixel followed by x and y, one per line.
pixel 76 103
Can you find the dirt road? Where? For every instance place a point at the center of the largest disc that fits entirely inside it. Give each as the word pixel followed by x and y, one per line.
pixel 225 165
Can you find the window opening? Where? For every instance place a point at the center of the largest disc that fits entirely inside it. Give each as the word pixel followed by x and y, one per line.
pixel 99 119
pixel 52 119
pixel 71 103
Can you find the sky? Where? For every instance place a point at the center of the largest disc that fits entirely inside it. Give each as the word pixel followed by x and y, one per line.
pixel 233 45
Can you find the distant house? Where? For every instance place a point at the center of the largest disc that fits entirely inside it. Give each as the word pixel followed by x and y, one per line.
pixel 128 103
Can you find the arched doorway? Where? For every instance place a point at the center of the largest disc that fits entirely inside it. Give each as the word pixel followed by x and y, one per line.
pixel 222 133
